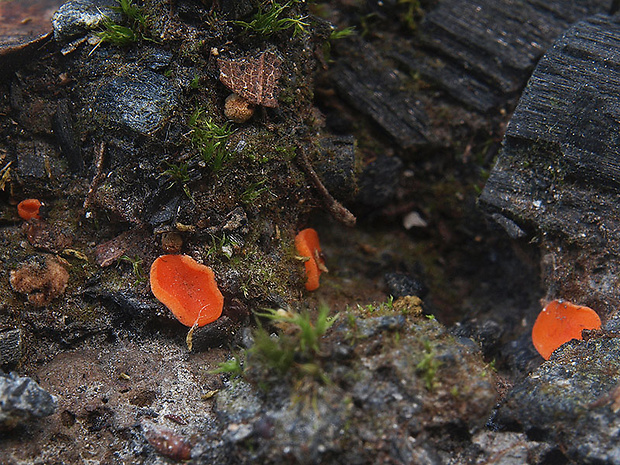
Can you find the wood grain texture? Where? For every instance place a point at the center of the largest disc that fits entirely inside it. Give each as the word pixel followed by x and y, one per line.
pixel 371 86
pixel 559 169
pixel 478 54
pixel 10 345
pixel 488 48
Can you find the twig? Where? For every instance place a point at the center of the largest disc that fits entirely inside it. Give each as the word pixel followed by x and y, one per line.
pixel 337 210
pixel 99 176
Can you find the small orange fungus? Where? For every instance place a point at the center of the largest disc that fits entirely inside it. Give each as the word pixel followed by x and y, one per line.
pixel 307 245
pixel 559 322
pixel 29 209
pixel 187 288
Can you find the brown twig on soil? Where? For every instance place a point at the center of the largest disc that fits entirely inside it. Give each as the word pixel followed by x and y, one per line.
pixel 99 176
pixel 337 210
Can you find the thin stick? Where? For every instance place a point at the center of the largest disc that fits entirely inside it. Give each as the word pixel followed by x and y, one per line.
pixel 337 210
pixel 99 176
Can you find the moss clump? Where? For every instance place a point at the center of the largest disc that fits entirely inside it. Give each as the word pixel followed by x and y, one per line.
pixel 136 30
pixel 406 306
pixel 272 18
pixel 293 354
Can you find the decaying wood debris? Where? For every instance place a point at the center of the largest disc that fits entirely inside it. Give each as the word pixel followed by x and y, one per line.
pixel 558 175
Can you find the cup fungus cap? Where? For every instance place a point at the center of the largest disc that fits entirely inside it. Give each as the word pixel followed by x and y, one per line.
pixel 559 322
pixel 29 209
pixel 187 288
pixel 307 245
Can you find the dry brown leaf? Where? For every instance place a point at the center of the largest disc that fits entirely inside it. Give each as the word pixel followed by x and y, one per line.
pixel 253 78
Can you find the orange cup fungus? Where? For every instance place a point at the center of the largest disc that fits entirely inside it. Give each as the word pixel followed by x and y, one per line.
pixel 29 209
pixel 187 288
pixel 559 322
pixel 307 245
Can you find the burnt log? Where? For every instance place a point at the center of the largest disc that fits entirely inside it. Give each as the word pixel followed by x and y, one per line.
pixel 483 51
pixel 11 345
pixel 557 178
pixel 370 85
pixel 478 53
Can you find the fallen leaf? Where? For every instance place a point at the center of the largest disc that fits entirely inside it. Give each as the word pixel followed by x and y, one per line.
pixel 253 78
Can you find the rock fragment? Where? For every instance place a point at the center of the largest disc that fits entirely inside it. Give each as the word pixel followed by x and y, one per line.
pixel 78 16
pixel 391 377
pixel 10 345
pixel 139 101
pixel 22 399
pixel 573 399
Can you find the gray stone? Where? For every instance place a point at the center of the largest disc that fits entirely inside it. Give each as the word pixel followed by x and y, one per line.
pixel 157 59
pixel 337 167
pixel 22 399
pixel 573 400
pixel 377 181
pixel 508 448
pixel 31 159
pixel 400 285
pixel 140 100
pixel 403 375
pixel 78 16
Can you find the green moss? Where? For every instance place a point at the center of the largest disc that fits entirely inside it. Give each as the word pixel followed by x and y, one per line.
pixel 231 367
pixel 121 35
pixel 294 354
pixel 117 34
pixel 136 266
pixel 428 366
pixel 407 306
pixel 178 173
pixel 195 82
pixel 263 276
pixel 210 138
pixel 254 191
pixel 272 18
pixel 412 13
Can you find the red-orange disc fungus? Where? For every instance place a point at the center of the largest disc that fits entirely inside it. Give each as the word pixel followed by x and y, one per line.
pixel 307 245
pixel 29 209
pixel 559 322
pixel 187 288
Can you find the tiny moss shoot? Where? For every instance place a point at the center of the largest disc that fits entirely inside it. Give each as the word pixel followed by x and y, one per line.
pixel 335 34
pixel 179 175
pixel 428 366
pixel 271 18
pixel 136 265
pixel 220 244
pixel 118 35
pixel 210 139
pixel 253 192
pixel 413 13
pixel 232 367
pixel 195 82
